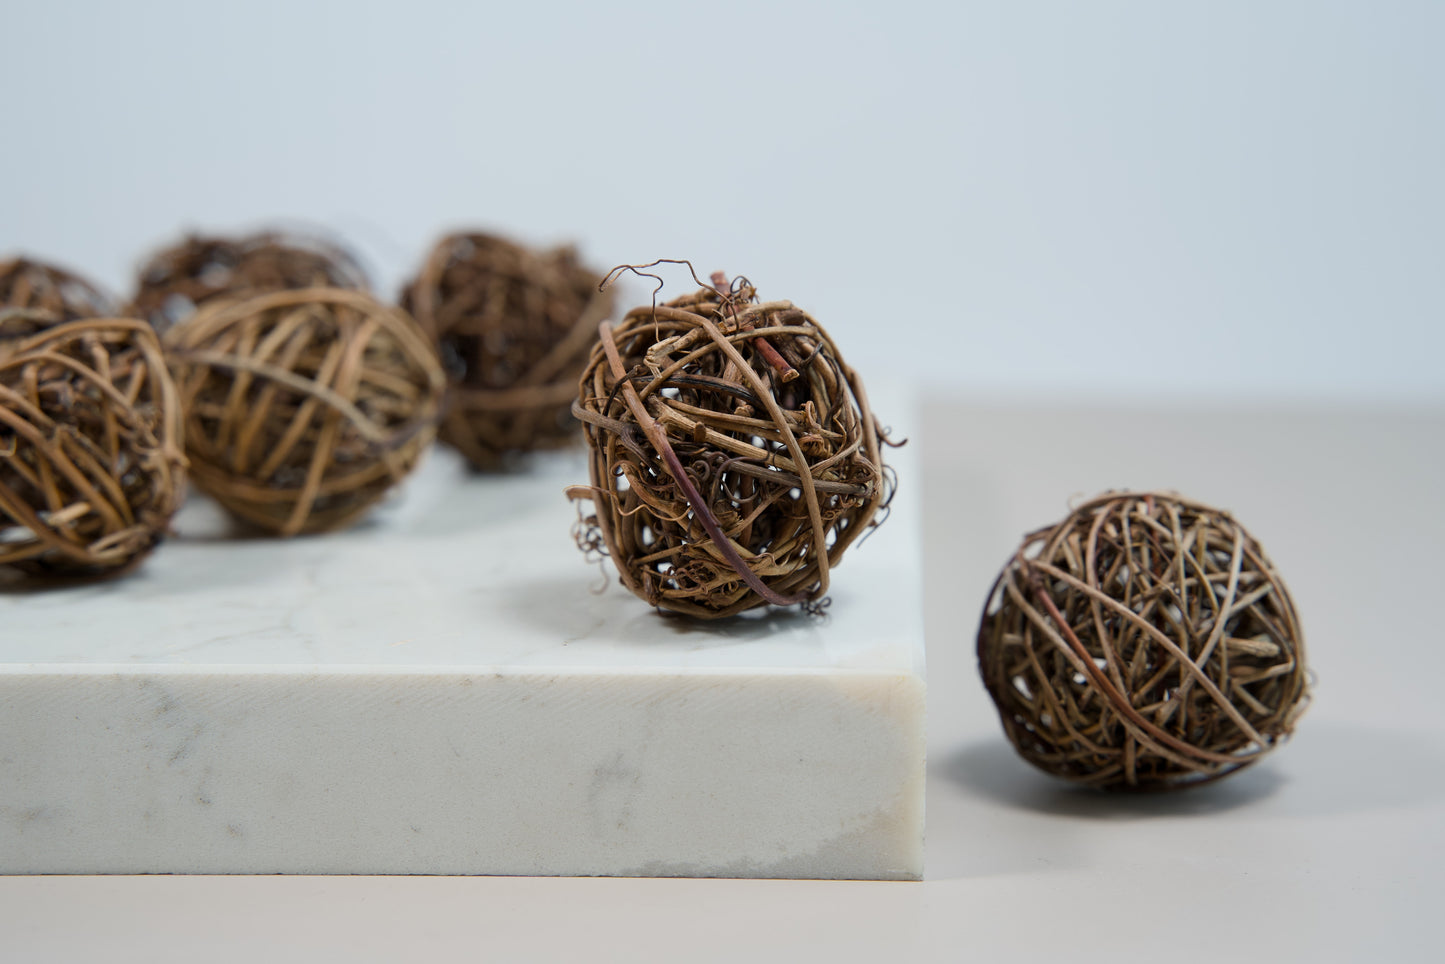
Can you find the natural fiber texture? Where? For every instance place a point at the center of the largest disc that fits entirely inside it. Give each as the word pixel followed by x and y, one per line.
pixel 177 281
pixel 514 328
pixel 34 296
pixel 1145 642
pixel 733 455
pixel 304 407
pixel 91 468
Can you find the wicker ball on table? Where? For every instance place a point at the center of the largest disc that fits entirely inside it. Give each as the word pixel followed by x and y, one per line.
pixel 91 467
pixel 514 327
pixel 303 408
pixel 1145 642
pixel 733 455
pixel 35 295
pixel 177 281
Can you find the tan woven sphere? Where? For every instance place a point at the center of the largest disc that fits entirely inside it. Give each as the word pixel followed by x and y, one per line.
pixel 733 455
pixel 514 327
pixel 1144 642
pixel 303 408
pixel 35 295
pixel 91 468
pixel 180 279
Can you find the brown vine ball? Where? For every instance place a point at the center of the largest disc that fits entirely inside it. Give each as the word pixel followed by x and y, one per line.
pixel 1144 642
pixel 733 455
pixel 303 408
pixel 177 281
pixel 514 327
pixel 35 295
pixel 91 467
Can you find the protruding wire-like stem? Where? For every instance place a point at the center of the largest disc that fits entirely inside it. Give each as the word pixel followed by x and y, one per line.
pixel 780 364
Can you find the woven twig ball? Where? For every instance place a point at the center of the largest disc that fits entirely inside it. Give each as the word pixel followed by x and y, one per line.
pixel 733 455
pixel 514 327
pixel 91 469
pixel 302 408
pixel 177 281
pixel 1144 642
pixel 35 295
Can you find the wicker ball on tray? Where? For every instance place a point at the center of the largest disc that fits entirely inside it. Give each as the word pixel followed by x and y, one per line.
pixel 1145 642
pixel 733 455
pixel 35 295
pixel 177 281
pixel 91 468
pixel 514 327
pixel 303 408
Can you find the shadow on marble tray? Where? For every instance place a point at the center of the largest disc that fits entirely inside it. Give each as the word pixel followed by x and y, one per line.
pixel 590 606
pixel 1328 768
pixel 444 499
pixel 468 508
pixel 991 769
pixel 14 583
pixel 753 625
pixel 173 576
pixel 478 503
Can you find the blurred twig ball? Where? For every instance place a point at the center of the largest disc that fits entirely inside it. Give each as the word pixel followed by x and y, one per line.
pixel 91 469
pixel 733 454
pixel 302 408
pixel 514 327
pixel 35 295
pixel 1144 642
pixel 177 281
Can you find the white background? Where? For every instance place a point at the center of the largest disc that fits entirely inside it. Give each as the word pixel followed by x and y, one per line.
pixel 1062 199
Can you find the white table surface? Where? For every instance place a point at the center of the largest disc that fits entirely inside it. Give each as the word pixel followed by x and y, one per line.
pixel 1330 850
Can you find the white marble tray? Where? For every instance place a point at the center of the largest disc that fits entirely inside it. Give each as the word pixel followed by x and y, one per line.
pixel 440 692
